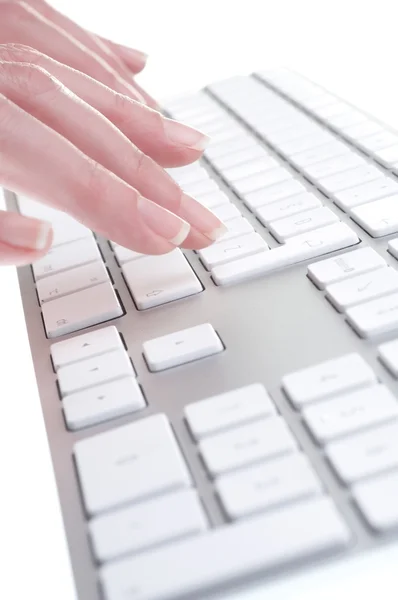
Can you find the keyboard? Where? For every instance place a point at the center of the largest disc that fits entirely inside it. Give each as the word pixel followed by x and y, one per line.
pixel 221 417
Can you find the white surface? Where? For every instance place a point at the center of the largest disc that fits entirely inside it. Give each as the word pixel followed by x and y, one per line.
pixel 183 57
pixel 85 346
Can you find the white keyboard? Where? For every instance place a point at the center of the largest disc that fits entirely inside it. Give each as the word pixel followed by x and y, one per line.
pixel 238 416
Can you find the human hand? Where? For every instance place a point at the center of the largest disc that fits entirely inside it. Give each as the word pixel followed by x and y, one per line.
pixel 78 146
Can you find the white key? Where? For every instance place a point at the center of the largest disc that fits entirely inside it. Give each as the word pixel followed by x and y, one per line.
pixel 124 255
pixel 156 280
pixel 224 252
pixel 294 132
pixel 248 444
pixel 361 130
pixel 261 180
pixel 214 199
pixel 228 410
pixel 291 147
pixel 329 378
pixel 393 247
pixel 378 218
pixel 274 193
pixel 181 347
pixel 387 156
pixel 65 231
pixel 365 454
pixel 300 248
pixel 260 544
pixel 345 414
pixel 317 100
pixel 378 141
pixel 260 165
pixel 150 524
pixel 347 179
pixel 363 288
pixel 388 353
pixel 236 227
pixel 319 154
pixel 375 317
pixel 190 175
pixel 102 403
pixel 287 207
pixel 70 281
pixel 81 309
pixel 93 371
pixel 240 157
pixel 226 212
pixel 263 487
pixel 38 210
pixel 240 142
pixel 130 464
pixel 345 266
pixel 201 187
pixel 377 500
pixel 85 346
pixel 65 257
pixel 334 165
pixel 346 119
pixel 361 194
pixel 283 229
pixel 331 110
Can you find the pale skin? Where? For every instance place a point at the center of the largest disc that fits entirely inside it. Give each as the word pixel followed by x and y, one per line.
pixel 78 134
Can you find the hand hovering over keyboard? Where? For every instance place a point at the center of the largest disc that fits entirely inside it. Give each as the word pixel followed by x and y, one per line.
pixel 85 149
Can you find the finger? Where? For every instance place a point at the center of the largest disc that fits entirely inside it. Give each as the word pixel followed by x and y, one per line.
pixel 168 142
pixel 58 108
pixel 20 23
pixel 134 59
pixel 22 239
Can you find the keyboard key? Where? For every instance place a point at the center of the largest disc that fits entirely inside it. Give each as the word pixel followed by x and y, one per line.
pixel 393 247
pixel 334 165
pixel 308 529
pixel 261 180
pixel 287 207
pixel 70 281
pixel 228 410
pixel 226 212
pixel 348 179
pixel 187 176
pixel 387 156
pixel 214 199
pixel 319 154
pixel 375 317
pixel 345 266
pixel 240 157
pixel 345 414
pixel 95 370
pixel 329 378
pixel 280 191
pixel 266 486
pixel 81 309
pixel 129 464
pixel 66 257
pixel 153 523
pixel 283 229
pixel 246 445
pixel 236 227
pixel 247 169
pixel 201 187
pixel 240 142
pixel 225 251
pixel 388 353
pixel 300 248
pixel 102 403
pixel 361 194
pixel 362 288
pixel 377 501
pixel 361 130
pixel 378 218
pixel 124 255
pixel 85 346
pixel 155 280
pixel 365 454
pixel 331 110
pixel 378 141
pixel 308 142
pixel 346 119
pixel 181 347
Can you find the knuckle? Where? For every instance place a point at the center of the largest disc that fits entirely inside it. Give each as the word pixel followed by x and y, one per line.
pixel 14 13
pixel 29 79
pixel 19 53
pixel 95 189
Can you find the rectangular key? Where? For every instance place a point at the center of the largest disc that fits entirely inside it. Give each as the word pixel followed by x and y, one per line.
pixel 287 207
pixel 226 212
pixel 265 487
pixel 248 444
pixel 214 199
pixel 274 193
pixel 333 165
pixel 66 257
pixel 348 179
pixel 378 141
pixel 283 229
pixel 300 248
pixel 155 280
pixel 85 346
pixel 68 230
pixel 124 255
pixel 201 187
pixel 240 157
pixel 240 142
pixel 188 176
pixel 349 413
pixel 376 317
pixel 81 309
pixel 247 169
pixel 378 218
pixel 346 119
pixel 328 378
pixel 102 403
pixel 95 370
pixel 130 464
pixel 261 180
pixel 235 228
pixel 377 500
pixel 361 130
pixel 393 247
pixel 225 251
pixel 153 523
pixel 363 288
pixel 387 156
pixel 365 454
pixel 181 347
pixel 260 544
pixel 388 353
pixel 319 154
pixel 345 266
pixel 70 281
pixel 361 194
pixel 305 143
pixel 228 410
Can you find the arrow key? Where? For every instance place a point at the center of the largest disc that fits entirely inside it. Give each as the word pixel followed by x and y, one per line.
pixel 378 218
pixel 365 287
pixel 85 346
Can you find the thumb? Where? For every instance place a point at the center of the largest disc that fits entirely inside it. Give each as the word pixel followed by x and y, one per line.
pixel 22 239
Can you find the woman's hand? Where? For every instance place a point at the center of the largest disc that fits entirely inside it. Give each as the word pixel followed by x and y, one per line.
pixel 36 24
pixel 85 149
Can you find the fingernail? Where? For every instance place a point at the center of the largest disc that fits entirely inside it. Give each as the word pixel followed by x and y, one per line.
pixel 163 222
pixel 201 218
pixel 184 135
pixel 137 55
pixel 24 232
